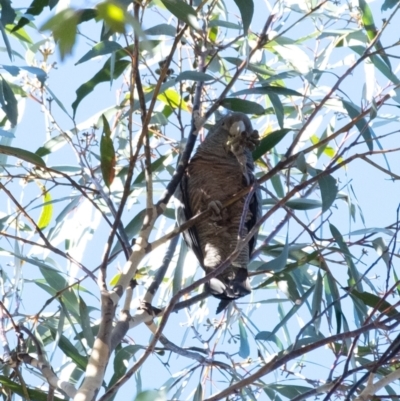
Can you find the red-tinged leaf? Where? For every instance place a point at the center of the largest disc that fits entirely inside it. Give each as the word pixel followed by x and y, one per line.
pixel 107 154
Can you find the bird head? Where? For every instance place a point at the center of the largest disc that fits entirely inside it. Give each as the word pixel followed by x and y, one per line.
pixel 240 132
pixel 231 287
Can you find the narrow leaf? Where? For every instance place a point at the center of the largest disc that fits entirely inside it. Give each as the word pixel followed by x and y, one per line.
pixel 100 49
pixel 104 75
pixel 278 264
pixel 107 154
pixel 194 76
pixel 34 394
pixel 244 106
pixel 23 154
pixel 361 124
pixel 8 102
pixel 329 190
pixel 269 141
pixel 183 12
pixel 244 349
pixel 266 90
pixel 63 25
pixel 47 210
pixel 246 8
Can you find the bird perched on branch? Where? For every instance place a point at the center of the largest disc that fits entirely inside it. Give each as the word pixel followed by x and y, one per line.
pixel 221 167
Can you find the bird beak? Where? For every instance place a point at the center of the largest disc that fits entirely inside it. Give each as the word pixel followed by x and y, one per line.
pixel 237 128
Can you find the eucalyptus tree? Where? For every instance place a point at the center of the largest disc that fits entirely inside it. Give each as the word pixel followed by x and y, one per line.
pixel 102 108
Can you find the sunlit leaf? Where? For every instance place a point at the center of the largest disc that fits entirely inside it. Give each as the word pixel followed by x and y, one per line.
pixel 171 98
pixel 63 25
pixel 47 210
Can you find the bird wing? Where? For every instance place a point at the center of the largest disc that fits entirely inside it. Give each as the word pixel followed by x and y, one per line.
pixel 184 213
pixel 256 213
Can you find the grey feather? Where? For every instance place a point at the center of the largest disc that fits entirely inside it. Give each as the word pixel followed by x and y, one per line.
pixel 220 168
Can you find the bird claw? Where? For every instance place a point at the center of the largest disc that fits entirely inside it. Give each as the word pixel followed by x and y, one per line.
pixel 216 208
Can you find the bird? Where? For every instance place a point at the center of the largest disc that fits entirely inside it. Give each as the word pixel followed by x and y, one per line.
pixel 222 166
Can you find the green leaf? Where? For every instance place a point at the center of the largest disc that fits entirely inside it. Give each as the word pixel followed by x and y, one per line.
pixel 245 106
pixel 131 229
pixel 71 351
pixel 198 395
pixel 278 108
pixel 269 141
pixel 113 15
pixel 6 41
pixel 63 25
pixel 155 166
pixel 224 24
pixel 266 90
pixel 162 29
pixel 171 98
pixel 246 8
pixel 107 154
pixel 388 4
pixel 59 284
pixel 23 154
pixel 38 72
pixel 194 76
pixel 269 336
pixel 317 301
pixel 372 31
pixel 361 124
pixel 329 190
pixel 102 48
pixel 244 349
pixel 279 263
pixel 85 319
pixel 375 301
pixel 382 250
pixel 47 210
pixel 7 12
pixel 354 275
pixel 52 145
pixel 34 9
pixel 104 75
pixel 8 102
pixel 183 12
pixel 34 394
pixel 150 395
